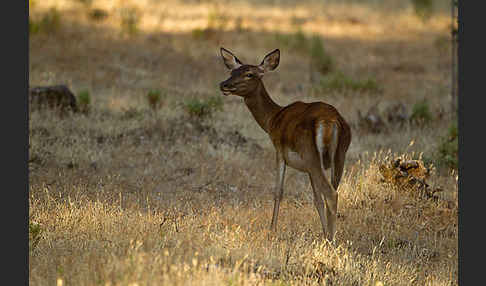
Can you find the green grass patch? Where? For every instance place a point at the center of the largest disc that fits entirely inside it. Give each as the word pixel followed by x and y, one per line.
pixel 421 112
pixel 338 81
pixel 84 101
pixel 197 108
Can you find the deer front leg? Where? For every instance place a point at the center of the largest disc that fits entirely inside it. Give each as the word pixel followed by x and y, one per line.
pixel 278 189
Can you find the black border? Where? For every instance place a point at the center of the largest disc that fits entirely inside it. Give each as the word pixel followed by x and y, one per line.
pixel 15 140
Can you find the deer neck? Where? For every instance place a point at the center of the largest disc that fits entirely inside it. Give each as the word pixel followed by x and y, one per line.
pixel 262 107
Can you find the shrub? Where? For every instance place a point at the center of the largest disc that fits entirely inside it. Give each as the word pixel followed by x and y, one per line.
pixel 421 112
pixel 154 98
pixel 84 100
pixel 203 108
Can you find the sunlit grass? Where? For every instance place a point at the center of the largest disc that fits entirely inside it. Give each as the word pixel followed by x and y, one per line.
pixel 132 195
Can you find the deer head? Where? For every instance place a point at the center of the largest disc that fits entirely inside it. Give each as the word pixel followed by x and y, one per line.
pixel 244 78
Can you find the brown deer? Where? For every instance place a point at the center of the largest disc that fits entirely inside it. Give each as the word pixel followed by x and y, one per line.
pixel 310 137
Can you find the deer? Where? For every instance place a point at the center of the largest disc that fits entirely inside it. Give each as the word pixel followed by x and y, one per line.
pixel 309 137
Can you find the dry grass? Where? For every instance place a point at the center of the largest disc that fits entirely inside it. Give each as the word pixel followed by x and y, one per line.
pixel 129 195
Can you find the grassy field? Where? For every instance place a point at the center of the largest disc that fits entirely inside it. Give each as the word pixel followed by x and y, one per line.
pixel 180 192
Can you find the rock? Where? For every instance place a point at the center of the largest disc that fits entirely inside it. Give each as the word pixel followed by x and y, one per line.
pixel 55 97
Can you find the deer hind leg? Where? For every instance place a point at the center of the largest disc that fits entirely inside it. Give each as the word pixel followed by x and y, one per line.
pixel 318 200
pixel 337 168
pixel 327 144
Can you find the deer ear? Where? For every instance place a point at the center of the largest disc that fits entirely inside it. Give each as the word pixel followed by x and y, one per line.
pixel 270 61
pixel 230 60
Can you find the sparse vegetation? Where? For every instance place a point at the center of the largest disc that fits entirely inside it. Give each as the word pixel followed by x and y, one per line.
pixel 124 196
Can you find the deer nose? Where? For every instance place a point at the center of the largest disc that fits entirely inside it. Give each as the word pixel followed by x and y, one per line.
pixel 224 85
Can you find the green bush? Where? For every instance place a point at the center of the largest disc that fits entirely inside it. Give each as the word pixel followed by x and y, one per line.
pixel 197 108
pixel 84 100
pixel 338 81
pixel 421 112
pixel 154 99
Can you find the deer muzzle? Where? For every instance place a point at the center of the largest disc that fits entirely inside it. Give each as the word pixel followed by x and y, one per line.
pixel 226 87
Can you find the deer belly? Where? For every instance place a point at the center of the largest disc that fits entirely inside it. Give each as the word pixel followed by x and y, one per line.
pixel 294 160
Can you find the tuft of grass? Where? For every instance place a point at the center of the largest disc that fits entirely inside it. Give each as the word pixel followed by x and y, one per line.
pixel 421 112
pixel 338 81
pixel 197 108
pixel 35 232
pixel 154 99
pixel 84 100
